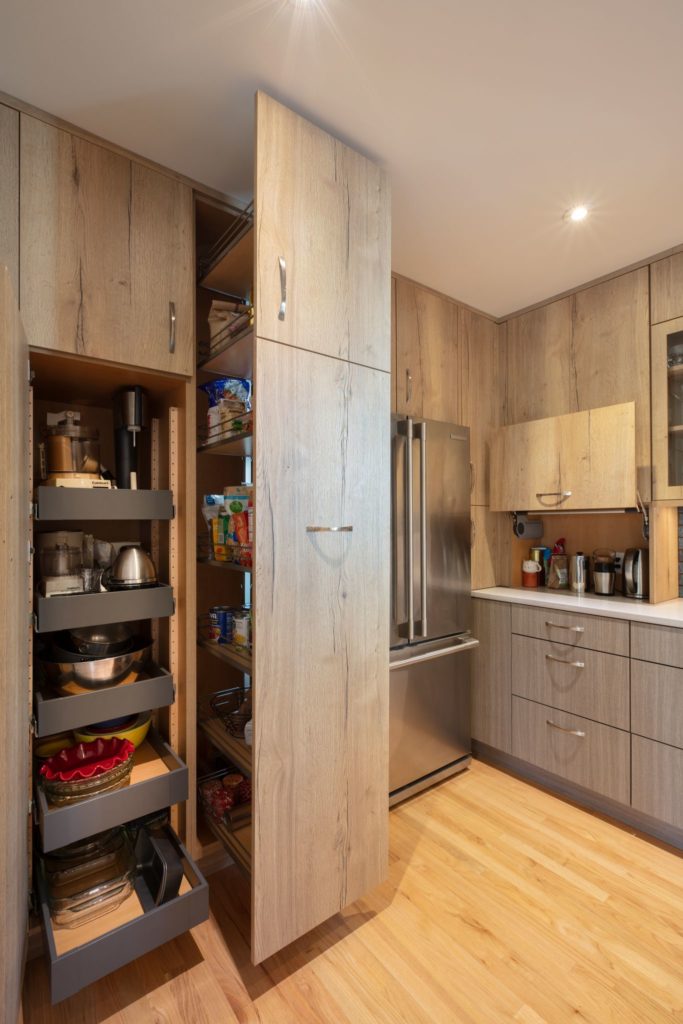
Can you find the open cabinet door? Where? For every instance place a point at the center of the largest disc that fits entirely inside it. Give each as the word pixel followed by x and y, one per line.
pixel 14 643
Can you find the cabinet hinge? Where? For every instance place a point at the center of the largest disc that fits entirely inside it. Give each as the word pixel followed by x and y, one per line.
pixel 173 512
pixel 32 510
pixel 33 725
pixel 30 374
pixel 30 552
pixel 30 807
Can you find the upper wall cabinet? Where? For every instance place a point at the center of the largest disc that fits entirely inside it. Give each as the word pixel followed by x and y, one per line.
pixel 9 193
pixel 666 289
pixel 582 351
pixel 429 379
pixel 106 253
pixel 482 351
pixel 667 409
pixel 583 460
pixel 323 241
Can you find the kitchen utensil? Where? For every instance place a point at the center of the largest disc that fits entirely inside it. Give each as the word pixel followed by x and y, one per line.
pixel 86 770
pixel 531 573
pixel 130 417
pixel 88 879
pixel 635 573
pixel 159 864
pixel 133 568
pixel 100 641
pixel 62 667
pixel 47 748
pixel 134 728
pixel 579 572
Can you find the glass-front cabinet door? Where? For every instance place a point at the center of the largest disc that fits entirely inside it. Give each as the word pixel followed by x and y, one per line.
pixel 667 409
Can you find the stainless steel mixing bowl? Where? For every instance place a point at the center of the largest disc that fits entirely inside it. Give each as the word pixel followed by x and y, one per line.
pixel 64 668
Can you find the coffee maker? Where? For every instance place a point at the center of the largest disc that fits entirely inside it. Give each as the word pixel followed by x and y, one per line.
pixel 130 418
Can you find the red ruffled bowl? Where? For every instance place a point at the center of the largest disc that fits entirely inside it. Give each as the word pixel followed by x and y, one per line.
pixel 86 760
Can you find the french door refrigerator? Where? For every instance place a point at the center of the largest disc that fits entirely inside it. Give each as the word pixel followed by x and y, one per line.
pixel 429 723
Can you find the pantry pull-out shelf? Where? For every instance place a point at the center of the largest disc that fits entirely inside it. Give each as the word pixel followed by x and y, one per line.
pixel 80 503
pixel 68 611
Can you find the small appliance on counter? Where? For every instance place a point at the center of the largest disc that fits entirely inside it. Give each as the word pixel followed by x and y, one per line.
pixel 70 453
pixel 130 413
pixel 604 574
pixel 635 573
pixel 579 572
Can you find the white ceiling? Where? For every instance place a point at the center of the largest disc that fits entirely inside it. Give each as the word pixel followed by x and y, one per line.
pixel 492 116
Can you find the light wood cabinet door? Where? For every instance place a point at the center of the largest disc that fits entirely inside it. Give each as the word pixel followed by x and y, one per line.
pixel 321 633
pixel 583 460
pixel 106 248
pixel 14 636
pixel 657 770
pixel 491 678
pixel 666 289
pixel 429 371
pixel 666 341
pixel 490 539
pixel 482 392
pixel 539 363
pixel 9 193
pixel 323 253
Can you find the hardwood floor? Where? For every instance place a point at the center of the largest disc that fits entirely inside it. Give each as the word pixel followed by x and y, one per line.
pixel 504 903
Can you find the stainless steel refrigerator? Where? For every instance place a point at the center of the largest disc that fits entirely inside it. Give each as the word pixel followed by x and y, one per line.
pixel 431 642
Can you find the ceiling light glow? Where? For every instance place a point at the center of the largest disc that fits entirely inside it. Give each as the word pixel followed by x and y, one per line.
pixel 577 213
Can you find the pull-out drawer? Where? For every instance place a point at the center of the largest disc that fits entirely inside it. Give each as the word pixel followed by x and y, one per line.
pixel 581 751
pixel 657 774
pixel 587 683
pixel 661 644
pixel 78 956
pixel 591 631
pixel 657 702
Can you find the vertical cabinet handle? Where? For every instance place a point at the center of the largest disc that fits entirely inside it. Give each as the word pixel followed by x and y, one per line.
pixel 171 327
pixel 283 288
pixel 409 529
pixel 423 527
pixel 409 386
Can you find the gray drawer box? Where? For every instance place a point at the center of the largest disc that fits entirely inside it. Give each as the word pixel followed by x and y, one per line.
pixel 76 504
pixel 54 713
pixel 657 774
pixel 108 946
pixel 159 780
pixel 591 631
pixel 599 759
pixel 70 610
pixel 580 681
pixel 661 644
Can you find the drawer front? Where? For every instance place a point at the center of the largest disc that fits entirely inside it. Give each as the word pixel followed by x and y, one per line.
pixel 657 702
pixel 599 759
pixel 657 774
pixel 661 644
pixel 587 683
pixel 591 631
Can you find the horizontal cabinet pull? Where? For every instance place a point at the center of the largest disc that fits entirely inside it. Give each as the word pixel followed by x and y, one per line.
pixel 572 629
pixel 560 728
pixel 560 495
pixel 329 529
pixel 560 661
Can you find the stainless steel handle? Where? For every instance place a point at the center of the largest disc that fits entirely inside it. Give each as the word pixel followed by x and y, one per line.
pixel 572 629
pixel 574 664
pixel 329 529
pixel 560 728
pixel 409 528
pixel 409 386
pixel 466 645
pixel 562 495
pixel 423 528
pixel 283 288
pixel 171 319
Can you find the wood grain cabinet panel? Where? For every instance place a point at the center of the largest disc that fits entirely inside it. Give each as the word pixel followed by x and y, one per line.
pixel 666 289
pixel 661 644
pixel 584 752
pixel 586 631
pixel 429 373
pixel 657 702
pixel 583 460
pixel 657 770
pixel 587 683
pixel 321 629
pixel 9 193
pixel 489 556
pixel 106 246
pixel 491 692
pixel 325 210
pixel 539 369
pixel 482 355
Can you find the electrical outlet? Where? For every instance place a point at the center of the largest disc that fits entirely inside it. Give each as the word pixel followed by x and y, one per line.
pixel 618 561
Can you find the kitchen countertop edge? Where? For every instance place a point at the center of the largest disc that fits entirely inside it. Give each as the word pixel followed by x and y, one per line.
pixel 668 613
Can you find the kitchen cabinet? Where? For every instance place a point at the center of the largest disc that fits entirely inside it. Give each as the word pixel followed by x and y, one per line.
pixel 321 623
pixel 666 289
pixel 667 409
pixel 15 708
pixel 429 371
pixel 491 675
pixel 483 361
pixel 106 253
pixel 323 260
pixel 657 771
pixel 9 193
pixel 584 631
pixel 489 547
pixel 583 460
pixel 577 352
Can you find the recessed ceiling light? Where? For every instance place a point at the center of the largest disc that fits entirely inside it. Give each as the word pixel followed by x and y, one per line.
pixel 576 213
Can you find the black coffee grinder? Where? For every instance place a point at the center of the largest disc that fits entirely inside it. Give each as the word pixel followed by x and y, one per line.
pixel 130 417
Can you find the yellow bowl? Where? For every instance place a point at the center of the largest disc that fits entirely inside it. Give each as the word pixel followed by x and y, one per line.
pixel 135 732
pixel 53 744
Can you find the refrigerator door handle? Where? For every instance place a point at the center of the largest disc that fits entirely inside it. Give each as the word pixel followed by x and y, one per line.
pixel 409 528
pixel 413 658
pixel 423 528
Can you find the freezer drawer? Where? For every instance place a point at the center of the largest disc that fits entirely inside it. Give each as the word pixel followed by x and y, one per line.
pixel 429 710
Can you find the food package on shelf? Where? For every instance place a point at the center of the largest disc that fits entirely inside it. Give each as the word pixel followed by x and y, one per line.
pixel 226 318
pixel 229 409
pixel 227 517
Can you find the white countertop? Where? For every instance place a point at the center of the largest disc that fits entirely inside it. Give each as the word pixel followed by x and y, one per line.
pixel 668 613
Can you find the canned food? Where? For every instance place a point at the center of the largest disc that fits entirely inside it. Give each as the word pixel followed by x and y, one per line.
pixel 214 630
pixel 242 629
pixel 226 624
